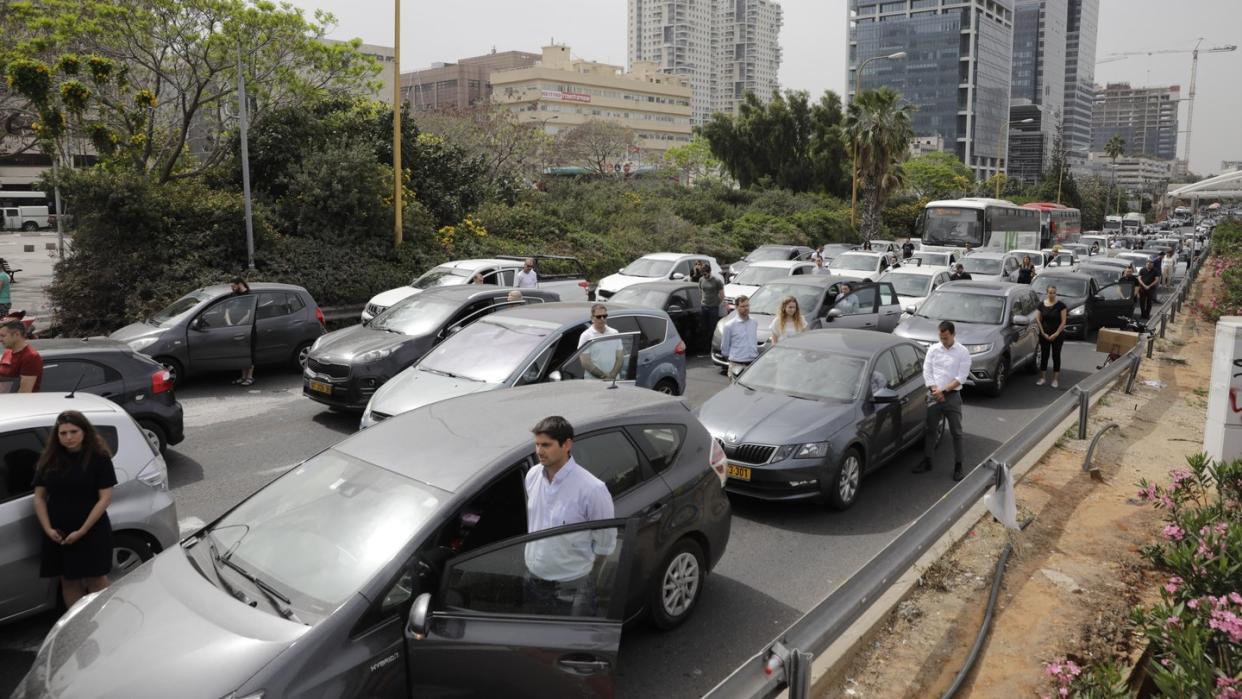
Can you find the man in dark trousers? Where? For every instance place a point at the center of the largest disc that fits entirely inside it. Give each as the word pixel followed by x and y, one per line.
pixel 712 289
pixel 1149 279
pixel 945 369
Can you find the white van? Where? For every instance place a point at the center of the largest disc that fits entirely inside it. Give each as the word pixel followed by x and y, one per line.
pixel 25 218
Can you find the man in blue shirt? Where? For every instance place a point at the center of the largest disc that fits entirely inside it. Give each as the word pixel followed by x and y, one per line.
pixel 739 339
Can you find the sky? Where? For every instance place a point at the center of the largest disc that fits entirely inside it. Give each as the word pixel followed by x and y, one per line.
pixel 813 39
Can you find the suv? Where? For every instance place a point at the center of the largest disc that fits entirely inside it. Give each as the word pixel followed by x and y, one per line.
pixel 111 369
pixel 1091 304
pixel 991 266
pixel 144 519
pixel 995 322
pixel 759 273
pixel 861 265
pixel 657 266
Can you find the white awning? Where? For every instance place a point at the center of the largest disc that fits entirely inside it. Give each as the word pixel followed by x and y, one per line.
pixel 1226 186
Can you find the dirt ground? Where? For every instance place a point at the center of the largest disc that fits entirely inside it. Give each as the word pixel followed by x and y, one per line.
pixel 1075 571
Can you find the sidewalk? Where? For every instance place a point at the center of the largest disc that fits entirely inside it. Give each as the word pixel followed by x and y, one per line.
pixel 29 290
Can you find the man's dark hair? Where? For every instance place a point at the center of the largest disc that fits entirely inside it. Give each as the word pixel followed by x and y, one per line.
pixel 739 300
pixel 946 326
pixel 15 326
pixel 556 427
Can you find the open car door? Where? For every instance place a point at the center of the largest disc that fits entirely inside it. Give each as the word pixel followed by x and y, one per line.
pixel 603 358
pixel 1109 303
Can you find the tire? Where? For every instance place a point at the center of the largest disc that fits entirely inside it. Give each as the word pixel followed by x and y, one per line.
pixel 129 551
pixel 30 226
pixel 843 491
pixel 298 359
pixel 666 386
pixel 682 571
pixel 174 368
pixel 1002 377
pixel 155 434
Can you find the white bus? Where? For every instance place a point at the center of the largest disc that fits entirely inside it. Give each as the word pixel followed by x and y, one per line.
pixel 26 211
pixel 981 223
pixel 1112 225
pixel 1132 224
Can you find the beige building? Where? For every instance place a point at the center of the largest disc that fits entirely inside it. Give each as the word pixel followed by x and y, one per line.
pixel 383 55
pixel 462 84
pixel 561 92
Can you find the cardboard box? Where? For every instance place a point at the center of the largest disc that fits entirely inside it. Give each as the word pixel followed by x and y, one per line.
pixel 1112 341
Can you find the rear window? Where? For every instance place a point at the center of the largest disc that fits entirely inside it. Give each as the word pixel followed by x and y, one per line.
pixel 651 330
pixel 660 443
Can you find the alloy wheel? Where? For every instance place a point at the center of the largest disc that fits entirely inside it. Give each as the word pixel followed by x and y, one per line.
pixel 681 584
pixel 847 482
pixel 124 561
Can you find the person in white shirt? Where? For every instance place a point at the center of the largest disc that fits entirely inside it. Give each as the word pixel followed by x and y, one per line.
pixel 1168 264
pixel 560 492
pixel 739 339
pixel 788 321
pixel 945 370
pixel 819 266
pixel 603 360
pixel 846 303
pixel 528 278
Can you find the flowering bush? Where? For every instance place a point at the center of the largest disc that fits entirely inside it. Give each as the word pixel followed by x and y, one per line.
pixel 1226 256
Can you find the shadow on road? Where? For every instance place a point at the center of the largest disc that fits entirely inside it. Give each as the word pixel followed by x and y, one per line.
pixel 182 470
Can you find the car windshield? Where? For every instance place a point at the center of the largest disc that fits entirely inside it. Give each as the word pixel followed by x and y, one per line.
pixel 442 276
pixel 767 300
pixel 178 309
pixel 1066 286
pixel 805 373
pixel 963 307
pixel 322 531
pixel 851 261
pixel 1102 275
pixel 648 267
pixel 417 315
pixel 909 284
pixel 761 254
pixel 488 351
pixel 757 276
pixel 946 225
pixel 981 265
pixel 637 296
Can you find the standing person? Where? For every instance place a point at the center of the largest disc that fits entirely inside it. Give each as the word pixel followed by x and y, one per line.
pixel 739 341
pixel 788 321
pixel 1095 249
pixel 1149 278
pixel 818 255
pixel 6 296
pixel 476 278
pixel 819 266
pixel 907 249
pixel 73 488
pixel 846 302
pixel 1026 273
pixel 528 278
pixel 241 288
pixel 944 371
pixel 867 246
pixel 711 290
pixel 1168 264
pixel 604 359
pixel 20 363
pixel 959 273
pixel 1053 315
pixel 560 492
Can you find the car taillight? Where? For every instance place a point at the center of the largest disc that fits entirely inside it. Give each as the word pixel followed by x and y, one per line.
pixel 319 315
pixel 583 284
pixel 718 461
pixel 680 348
pixel 161 382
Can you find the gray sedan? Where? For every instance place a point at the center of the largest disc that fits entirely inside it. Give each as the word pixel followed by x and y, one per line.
pixel 817 412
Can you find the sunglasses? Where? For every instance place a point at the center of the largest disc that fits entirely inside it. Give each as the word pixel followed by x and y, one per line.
pixel 601 315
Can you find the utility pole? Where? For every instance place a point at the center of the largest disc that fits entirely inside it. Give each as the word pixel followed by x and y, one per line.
pixel 244 124
pixel 396 125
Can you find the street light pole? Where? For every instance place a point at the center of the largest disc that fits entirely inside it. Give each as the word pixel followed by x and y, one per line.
pixel 1002 175
pixel 396 126
pixel 854 169
pixel 243 122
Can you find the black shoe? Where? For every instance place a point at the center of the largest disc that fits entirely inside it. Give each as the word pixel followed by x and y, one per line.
pixel 957 472
pixel 924 466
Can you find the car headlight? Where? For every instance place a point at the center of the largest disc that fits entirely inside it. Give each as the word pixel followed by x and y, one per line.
pixel 979 349
pixel 1078 311
pixel 813 450
pixel 374 355
pixel 142 343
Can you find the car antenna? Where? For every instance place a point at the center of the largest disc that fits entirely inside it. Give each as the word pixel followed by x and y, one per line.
pixel 76 385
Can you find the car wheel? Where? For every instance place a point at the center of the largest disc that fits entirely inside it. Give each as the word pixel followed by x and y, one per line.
pixel 154 434
pixel 666 386
pixel 128 552
pixel 677 587
pixel 844 488
pixel 175 371
pixel 30 226
pixel 300 354
pixel 1002 377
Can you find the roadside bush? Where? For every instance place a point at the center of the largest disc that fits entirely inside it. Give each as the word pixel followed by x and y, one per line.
pixel 1225 263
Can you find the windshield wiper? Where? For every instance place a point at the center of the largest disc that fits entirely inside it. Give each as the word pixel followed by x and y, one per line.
pixel 273 596
pixel 213 555
pixel 449 374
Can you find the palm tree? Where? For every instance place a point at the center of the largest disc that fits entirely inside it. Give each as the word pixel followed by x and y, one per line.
pixel 1115 148
pixel 879 131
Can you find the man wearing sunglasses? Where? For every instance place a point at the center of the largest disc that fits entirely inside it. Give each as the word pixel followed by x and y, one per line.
pixel 603 359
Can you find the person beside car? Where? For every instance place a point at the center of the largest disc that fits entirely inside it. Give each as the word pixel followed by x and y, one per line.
pixel 241 288
pixel 788 321
pixel 6 294
pixel 1026 273
pixel 846 303
pixel 959 273
pixel 907 249
pixel 945 369
pixel 603 359
pixel 528 278
pixel 819 266
pixel 1168 264
pixel 1149 278
pixel 1053 316
pixel 711 291
pixel 20 364
pixel 739 339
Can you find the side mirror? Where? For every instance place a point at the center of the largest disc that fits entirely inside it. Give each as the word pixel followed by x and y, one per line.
pixel 675 308
pixel 416 624
pixel 884 395
pixel 912 309
pixel 198 323
pixel 1021 321
pixel 678 276
pixel 833 314
pixel 554 376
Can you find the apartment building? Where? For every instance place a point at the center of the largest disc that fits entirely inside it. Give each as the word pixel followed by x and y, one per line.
pixel 1145 117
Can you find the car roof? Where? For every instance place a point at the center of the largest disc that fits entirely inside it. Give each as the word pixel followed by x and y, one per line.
pixel 780 264
pixel 49 405
pixel 669 255
pixel 477 262
pixel 663 285
pixel 219 289
pixel 858 343
pixel 821 280
pixel 781 246
pixel 989 254
pixel 83 345
pixel 470 292
pixel 451 453
pixel 1064 274
pixel 569 312
pixel 984 287
pixel 906 268
pixel 870 253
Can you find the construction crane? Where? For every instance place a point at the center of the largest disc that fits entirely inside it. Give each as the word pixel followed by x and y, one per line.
pixel 1194 74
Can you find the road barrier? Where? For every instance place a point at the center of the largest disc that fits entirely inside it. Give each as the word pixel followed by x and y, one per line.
pixel 785 662
pixel 332 314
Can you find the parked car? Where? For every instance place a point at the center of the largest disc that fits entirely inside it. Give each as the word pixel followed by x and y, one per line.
pixel 813 415
pixel 914 284
pixel 533 344
pixel 869 306
pixel 364 572
pixel 108 368
pixel 1102 274
pixel 143 517
pixel 682 301
pixel 1039 258
pixel 770 253
pixel 995 322
pixel 345 367
pixel 834 250
pixel 1060 259
pixel 1091 305
pixel 209 329
pixel 563 275
pixel 760 273
pixel 863 266
pixel 992 266
pixel 671 266
pixel 1140 258
pixel 932 258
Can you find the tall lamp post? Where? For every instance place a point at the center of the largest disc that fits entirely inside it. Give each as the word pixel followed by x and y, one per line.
pixel 854 170
pixel 397 237
pixel 1005 150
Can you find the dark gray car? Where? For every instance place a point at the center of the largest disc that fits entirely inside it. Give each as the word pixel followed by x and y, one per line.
pixel 213 329
pixel 817 412
pixel 345 366
pixel 397 564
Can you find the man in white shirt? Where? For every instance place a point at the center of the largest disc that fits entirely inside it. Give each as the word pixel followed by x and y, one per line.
pixel 739 339
pixel 945 370
pixel 560 492
pixel 604 359
pixel 846 303
pixel 527 278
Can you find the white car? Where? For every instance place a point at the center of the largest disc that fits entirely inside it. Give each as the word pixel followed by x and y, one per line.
pixel 658 266
pixel 914 284
pixel 861 265
pixel 1039 258
pixel 756 274
pixel 931 259
pixel 990 266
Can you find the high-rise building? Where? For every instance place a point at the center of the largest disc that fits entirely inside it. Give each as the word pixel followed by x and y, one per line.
pixel 1037 93
pixel 725 48
pixel 1145 117
pixel 461 84
pixel 1081 23
pixel 957 68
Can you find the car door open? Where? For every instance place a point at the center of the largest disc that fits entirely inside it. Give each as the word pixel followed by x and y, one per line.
pixel 606 358
pixel 1110 303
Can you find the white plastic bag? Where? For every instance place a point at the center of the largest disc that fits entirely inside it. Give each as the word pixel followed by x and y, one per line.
pixel 1001 501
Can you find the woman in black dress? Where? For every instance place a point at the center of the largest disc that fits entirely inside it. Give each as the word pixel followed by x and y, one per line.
pixel 241 288
pixel 73 487
pixel 1026 273
pixel 1053 316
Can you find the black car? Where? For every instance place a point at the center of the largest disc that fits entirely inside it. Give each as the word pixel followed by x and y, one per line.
pixel 1091 305
pixel 137 383
pixel 682 301
pixel 345 367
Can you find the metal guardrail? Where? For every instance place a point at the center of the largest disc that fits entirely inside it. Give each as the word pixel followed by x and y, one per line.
pixel 332 314
pixel 783 662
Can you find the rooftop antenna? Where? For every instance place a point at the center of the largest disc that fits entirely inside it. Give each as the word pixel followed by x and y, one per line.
pixel 77 385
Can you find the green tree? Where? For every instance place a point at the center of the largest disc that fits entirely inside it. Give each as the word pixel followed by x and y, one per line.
pixel 596 145
pixel 937 176
pixel 511 152
pixel 879 130
pixel 693 161
pixel 1115 148
pixel 1057 183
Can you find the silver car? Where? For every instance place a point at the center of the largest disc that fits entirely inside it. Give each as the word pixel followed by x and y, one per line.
pixel 144 519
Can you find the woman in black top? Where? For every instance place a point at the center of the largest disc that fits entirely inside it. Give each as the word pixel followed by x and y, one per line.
pixel 1052 318
pixel 1026 273
pixel 73 487
pixel 241 288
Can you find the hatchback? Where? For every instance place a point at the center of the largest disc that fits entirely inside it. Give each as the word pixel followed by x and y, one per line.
pixel 397 564
pixel 681 300
pixel 671 266
pixel 757 274
pixel 213 329
pixel 144 519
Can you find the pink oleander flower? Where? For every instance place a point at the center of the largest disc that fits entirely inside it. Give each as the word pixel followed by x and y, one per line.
pixel 1193 604
pixel 1173 621
pixel 1053 669
pixel 1172 532
pixel 1181 475
pixel 1168 502
pixel 1073 668
pixel 1063 691
pixel 1173 585
pixel 1227 623
pixel 1148 493
pixel 1235 598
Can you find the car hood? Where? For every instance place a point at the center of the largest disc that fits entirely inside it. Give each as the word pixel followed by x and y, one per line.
pixel 388 298
pixel 414 388
pixel 159 631
pixel 927 331
pixel 344 345
pixel 858 274
pixel 732 291
pixel 136 331
pixel 737 415
pixel 616 282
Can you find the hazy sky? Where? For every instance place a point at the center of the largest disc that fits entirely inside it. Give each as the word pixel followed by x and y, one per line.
pixel 813 39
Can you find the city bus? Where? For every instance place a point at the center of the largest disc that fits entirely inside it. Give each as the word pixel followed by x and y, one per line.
pixel 1112 225
pixel 27 211
pixel 954 224
pixel 1058 223
pixel 1132 224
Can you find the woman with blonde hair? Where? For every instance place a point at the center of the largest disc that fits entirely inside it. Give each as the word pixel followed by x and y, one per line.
pixel 788 321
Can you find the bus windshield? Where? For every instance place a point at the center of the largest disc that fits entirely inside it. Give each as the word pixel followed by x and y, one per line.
pixel 953 227
pixel 1114 226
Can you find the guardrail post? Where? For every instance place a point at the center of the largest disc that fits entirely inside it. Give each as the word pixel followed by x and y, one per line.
pixel 1151 345
pixel 1164 319
pixel 1084 405
pixel 1134 369
pixel 1086 462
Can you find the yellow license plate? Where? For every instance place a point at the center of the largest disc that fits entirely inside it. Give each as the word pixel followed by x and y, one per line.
pixel 739 472
pixel 321 387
